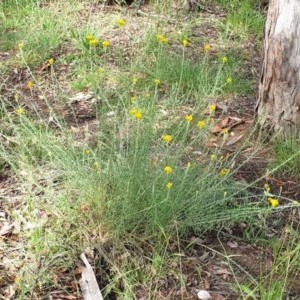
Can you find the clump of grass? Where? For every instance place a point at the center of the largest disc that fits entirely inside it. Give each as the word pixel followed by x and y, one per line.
pixel 286 159
pixel 277 279
pixel 145 171
pixel 243 19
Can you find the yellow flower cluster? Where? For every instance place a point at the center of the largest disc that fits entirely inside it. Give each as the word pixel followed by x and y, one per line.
pixel 212 108
pixel 224 172
pixel 224 59
pixel 136 113
pixel 169 184
pixel 201 123
pixel 167 138
pixel 161 38
pixel 207 48
pixel 185 42
pixel 94 41
pixel 50 61
pixel 29 84
pixel 168 169
pixel 189 118
pixel 106 43
pixel 121 22
pixel 20 110
pixel 273 202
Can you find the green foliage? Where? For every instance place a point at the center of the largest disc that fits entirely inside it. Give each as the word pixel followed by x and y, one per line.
pixel 286 159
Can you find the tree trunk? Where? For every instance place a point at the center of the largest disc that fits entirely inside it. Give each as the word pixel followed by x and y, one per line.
pixel 278 105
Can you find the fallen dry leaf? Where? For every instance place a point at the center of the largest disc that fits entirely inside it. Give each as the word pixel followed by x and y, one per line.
pixel 234 140
pixel 233 244
pixel 7 228
pixel 226 123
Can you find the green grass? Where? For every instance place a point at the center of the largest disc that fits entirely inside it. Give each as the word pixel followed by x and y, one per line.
pixel 286 156
pixel 115 180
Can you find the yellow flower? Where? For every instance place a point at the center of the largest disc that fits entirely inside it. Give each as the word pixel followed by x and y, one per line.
pixel 156 81
pixel 169 184
pixel 105 43
pixel 134 80
pixel 121 22
pixel 147 95
pixel 185 42
pixel 17 96
pixel 201 123
pixel 94 42
pixel 20 110
pixel 136 113
pixel 95 164
pixel 212 108
pixel 189 118
pixel 87 151
pixel 267 187
pixel 225 194
pixel 207 47
pixel 167 138
pixel 273 201
pixel 224 172
pixel 133 98
pixel 188 164
pixel 50 61
pixel 224 59
pixel 168 169
pixel 162 38
pixel 29 84
pixel 18 279
pixel 89 37
pixel 20 45
pixel 229 80
pixel 213 156
pixel 225 131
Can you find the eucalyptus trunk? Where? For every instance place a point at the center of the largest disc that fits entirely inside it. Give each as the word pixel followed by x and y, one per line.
pixel 278 105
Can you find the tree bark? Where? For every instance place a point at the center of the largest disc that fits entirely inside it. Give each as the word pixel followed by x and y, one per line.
pixel 278 105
